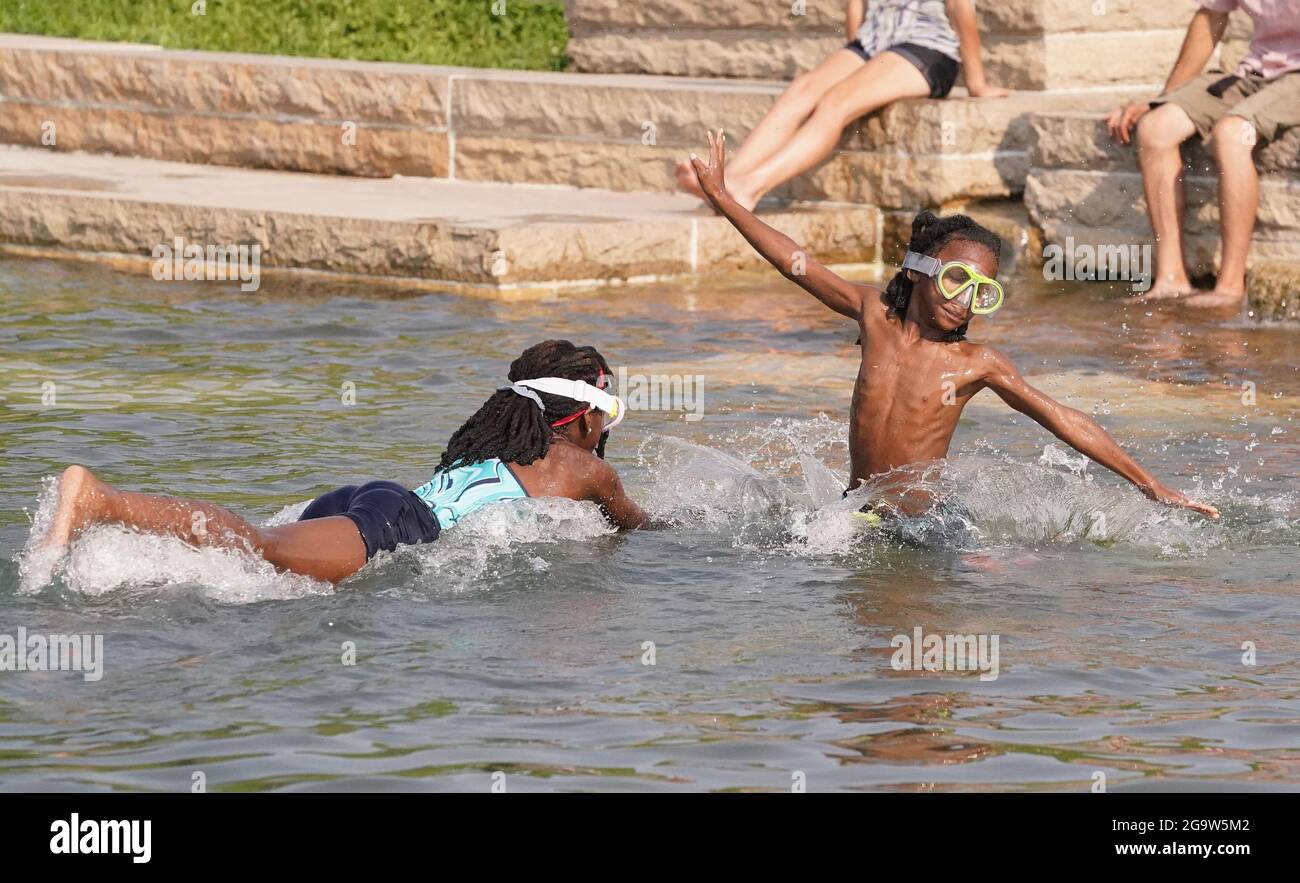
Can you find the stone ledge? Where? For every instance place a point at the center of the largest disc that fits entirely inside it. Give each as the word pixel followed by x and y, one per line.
pixel 1014 16
pixel 1027 44
pixel 1110 204
pixel 1078 140
pixel 43 69
pixel 485 237
pixel 626 133
pixel 651 110
pixel 776 15
pixel 619 132
pixel 375 150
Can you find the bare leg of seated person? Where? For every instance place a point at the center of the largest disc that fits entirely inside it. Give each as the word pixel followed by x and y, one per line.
pixel 1160 134
pixel 1233 144
pixel 780 123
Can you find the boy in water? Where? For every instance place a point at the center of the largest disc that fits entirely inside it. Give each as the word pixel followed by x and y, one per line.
pixel 918 370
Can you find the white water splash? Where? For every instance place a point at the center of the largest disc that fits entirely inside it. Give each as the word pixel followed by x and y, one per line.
pixel 498 541
pixel 36 565
pixel 109 557
pixel 775 489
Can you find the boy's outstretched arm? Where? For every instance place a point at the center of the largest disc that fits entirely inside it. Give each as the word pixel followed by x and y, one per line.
pixel 782 252
pixel 1080 432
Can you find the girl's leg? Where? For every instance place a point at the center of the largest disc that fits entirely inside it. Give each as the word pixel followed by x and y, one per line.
pixel 883 80
pixel 787 114
pixel 324 548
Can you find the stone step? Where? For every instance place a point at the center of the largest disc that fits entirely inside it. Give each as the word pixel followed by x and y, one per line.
pixel 611 131
pixel 826 16
pixel 455 235
pixel 627 132
pixel 1051 61
pixel 1027 44
pixel 1085 190
pixel 306 114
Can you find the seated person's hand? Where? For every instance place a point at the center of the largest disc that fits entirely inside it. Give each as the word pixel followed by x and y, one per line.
pixel 1120 122
pixel 987 91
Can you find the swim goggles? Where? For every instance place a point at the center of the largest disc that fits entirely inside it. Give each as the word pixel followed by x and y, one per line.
pixel 578 390
pixel 957 279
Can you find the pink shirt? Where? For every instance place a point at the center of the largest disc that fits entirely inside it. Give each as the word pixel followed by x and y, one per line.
pixel 1275 46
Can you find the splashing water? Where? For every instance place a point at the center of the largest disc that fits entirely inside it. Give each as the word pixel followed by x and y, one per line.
pixel 769 495
pixel 520 636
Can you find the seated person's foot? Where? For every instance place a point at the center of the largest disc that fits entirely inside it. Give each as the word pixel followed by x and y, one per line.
pixel 686 179
pixel 1220 298
pixel 1168 289
pixel 743 195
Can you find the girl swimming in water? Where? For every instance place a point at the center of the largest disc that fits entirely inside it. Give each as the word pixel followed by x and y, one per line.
pixel 541 435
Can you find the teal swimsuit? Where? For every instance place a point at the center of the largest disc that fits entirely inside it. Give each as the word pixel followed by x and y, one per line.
pixel 453 494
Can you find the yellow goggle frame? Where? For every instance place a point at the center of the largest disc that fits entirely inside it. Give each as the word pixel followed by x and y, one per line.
pixel 986 293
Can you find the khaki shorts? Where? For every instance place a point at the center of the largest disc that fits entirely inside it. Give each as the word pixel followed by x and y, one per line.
pixel 1268 105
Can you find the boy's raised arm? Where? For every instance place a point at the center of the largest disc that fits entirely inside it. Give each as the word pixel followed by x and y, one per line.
pixel 782 252
pixel 1080 432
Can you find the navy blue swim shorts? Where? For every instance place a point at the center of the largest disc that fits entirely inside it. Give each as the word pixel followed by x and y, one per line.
pixel 387 514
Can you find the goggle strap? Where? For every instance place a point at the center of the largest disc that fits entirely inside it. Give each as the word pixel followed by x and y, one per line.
pixel 579 391
pixel 525 392
pixel 922 263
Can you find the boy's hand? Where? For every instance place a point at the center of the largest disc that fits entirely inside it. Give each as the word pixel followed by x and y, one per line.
pixel 989 92
pixel 1171 497
pixel 710 173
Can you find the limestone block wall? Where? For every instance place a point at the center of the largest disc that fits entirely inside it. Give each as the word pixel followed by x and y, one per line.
pixel 613 131
pixel 225 109
pixel 1028 44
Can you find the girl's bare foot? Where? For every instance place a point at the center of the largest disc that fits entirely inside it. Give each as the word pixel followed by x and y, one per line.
pixel 81 497
pixel 686 179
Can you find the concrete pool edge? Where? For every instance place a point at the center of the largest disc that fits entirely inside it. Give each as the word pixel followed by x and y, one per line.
pixel 393 284
pixel 503 238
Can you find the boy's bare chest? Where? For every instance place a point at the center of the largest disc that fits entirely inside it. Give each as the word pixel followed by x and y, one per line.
pixel 913 375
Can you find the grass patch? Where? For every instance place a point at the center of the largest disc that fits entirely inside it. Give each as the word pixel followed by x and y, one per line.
pixel 530 35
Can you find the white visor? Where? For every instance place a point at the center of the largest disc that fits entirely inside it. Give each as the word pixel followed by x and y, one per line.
pixel 581 391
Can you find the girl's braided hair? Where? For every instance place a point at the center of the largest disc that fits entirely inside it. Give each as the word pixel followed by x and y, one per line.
pixel 511 427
